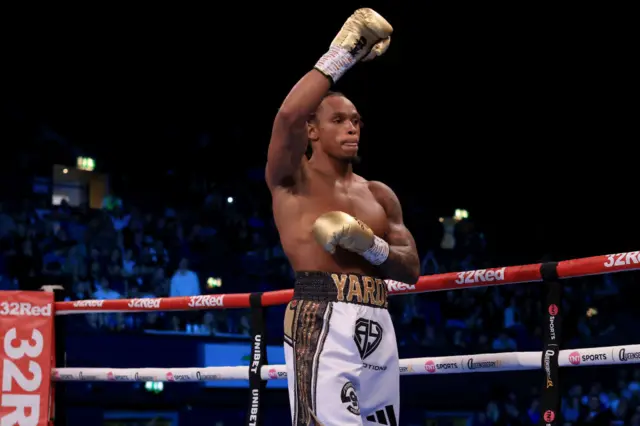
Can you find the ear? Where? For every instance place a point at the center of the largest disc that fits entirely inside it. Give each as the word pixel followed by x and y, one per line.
pixel 312 131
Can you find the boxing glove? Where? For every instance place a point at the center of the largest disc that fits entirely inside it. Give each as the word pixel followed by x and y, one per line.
pixel 364 36
pixel 336 228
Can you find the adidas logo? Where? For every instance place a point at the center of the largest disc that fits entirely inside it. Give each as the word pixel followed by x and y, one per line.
pixel 386 416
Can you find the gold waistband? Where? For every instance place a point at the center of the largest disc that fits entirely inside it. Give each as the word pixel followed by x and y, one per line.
pixel 341 287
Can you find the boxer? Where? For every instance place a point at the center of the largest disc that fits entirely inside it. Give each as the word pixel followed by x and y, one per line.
pixel 343 235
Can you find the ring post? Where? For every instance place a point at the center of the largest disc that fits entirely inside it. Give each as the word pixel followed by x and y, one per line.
pixel 258 359
pixel 58 388
pixel 550 401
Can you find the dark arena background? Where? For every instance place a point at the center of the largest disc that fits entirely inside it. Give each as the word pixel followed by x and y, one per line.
pixel 134 141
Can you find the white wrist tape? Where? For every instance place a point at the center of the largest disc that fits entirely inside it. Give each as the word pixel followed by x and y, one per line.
pixel 378 252
pixel 335 62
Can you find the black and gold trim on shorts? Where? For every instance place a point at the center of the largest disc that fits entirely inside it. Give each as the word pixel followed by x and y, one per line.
pixel 341 287
pixel 306 327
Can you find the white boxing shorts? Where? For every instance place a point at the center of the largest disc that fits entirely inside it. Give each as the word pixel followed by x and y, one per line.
pixel 341 352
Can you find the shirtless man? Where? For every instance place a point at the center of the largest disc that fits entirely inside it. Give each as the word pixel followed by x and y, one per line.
pixel 340 346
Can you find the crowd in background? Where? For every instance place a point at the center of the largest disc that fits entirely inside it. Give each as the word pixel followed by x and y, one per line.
pixel 122 251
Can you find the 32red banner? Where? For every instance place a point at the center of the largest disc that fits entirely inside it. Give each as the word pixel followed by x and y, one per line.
pixel 26 331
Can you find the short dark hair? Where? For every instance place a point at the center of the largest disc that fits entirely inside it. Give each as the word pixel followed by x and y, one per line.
pixel 329 94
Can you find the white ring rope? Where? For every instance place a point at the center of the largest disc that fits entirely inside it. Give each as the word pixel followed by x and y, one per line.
pixel 508 361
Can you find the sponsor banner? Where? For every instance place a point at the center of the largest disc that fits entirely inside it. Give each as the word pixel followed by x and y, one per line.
pixel 155 374
pixel 88 303
pixel 207 301
pixel 26 325
pixel 511 361
pixel 549 417
pixel 146 303
pixel 407 368
pixel 480 276
pixel 274 372
pixel 585 357
pixel 629 354
pixel 441 365
pixel 399 287
pixel 550 393
pixel 174 376
pixel 551 335
pixel 490 362
pixel 622 259
pixel 549 361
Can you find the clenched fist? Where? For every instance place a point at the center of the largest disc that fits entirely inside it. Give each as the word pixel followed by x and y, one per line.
pixel 363 36
pixel 336 228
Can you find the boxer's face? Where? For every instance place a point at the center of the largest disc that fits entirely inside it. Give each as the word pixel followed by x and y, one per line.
pixel 336 128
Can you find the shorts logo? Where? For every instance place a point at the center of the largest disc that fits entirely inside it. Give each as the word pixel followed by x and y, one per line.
pixel 348 396
pixel 367 335
pixel 386 416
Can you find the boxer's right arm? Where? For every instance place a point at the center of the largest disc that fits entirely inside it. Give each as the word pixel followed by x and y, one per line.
pixel 363 36
pixel 289 134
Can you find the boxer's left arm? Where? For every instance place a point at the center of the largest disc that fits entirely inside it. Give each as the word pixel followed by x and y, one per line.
pixel 403 263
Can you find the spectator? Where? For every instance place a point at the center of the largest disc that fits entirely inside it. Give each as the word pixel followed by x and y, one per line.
pixel 104 292
pixel 511 314
pixel 185 282
pixel 504 343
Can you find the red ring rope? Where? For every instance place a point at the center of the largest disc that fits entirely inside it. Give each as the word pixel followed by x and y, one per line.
pixel 451 281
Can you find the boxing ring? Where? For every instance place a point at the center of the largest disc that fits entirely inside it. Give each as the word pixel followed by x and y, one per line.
pixel 548 360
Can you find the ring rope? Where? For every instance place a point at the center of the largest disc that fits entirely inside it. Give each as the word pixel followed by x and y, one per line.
pixel 595 265
pixel 549 359
pixel 506 361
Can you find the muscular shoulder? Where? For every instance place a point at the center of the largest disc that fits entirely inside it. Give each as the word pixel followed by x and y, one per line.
pixel 379 189
pixel 385 196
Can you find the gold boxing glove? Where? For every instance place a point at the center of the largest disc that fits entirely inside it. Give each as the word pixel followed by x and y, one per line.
pixel 363 36
pixel 341 229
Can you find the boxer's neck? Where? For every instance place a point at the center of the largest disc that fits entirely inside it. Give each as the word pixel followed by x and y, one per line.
pixel 340 169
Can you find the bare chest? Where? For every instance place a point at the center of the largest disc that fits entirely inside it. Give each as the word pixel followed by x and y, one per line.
pixel 319 196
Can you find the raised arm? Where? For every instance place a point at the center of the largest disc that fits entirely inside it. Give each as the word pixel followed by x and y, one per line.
pixel 403 263
pixel 289 134
pixel 364 36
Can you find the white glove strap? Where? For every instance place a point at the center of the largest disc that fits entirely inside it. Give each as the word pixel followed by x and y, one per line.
pixel 378 252
pixel 335 63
